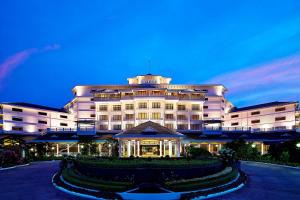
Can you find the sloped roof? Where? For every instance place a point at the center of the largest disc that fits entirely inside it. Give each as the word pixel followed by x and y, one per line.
pixel 264 105
pixel 149 129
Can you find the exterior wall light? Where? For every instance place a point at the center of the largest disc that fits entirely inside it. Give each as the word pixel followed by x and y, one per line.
pixel 298 145
pixel 253 145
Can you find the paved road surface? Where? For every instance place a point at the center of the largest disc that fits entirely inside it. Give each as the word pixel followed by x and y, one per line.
pixel 265 182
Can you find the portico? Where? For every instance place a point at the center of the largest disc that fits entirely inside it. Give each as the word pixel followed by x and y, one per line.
pixel 149 140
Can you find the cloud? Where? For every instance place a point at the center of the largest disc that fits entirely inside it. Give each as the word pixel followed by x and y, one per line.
pixel 259 82
pixel 17 59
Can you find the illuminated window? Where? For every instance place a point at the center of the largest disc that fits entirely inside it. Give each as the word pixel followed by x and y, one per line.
pixel 169 116
pixel 92 107
pixel 129 106
pixel 129 116
pixel 103 108
pixel 195 117
pixel 181 117
pixel 156 116
pixel 195 107
pixel 155 105
pixel 103 117
pixel 181 107
pixel 116 117
pixel 169 106
pixel 116 107
pixel 128 126
pixel 142 105
pixel 143 116
pixel 169 126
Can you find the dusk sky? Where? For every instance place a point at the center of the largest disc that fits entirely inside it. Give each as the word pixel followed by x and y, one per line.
pixel 48 47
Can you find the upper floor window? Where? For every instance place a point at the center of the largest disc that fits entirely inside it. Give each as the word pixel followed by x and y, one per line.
pixel 128 126
pixel 117 127
pixel 116 117
pixel 181 107
pixel 169 116
pixel 17 128
pixel 156 116
pixel 156 105
pixel 103 108
pixel 63 124
pixel 116 107
pixel 143 116
pixel 280 118
pixel 279 109
pixel 92 107
pixel 181 117
pixel 195 117
pixel 42 113
pixel 129 106
pixel 195 107
pixel 234 124
pixel 142 105
pixel 234 116
pixel 169 126
pixel 103 127
pixel 64 116
pixel 182 126
pixel 195 126
pixel 205 115
pixel 42 122
pixel 255 113
pixel 103 117
pixel 129 116
pixel 92 115
pixel 169 106
pixel 19 119
pixel 17 109
pixel 255 121
pixel 205 107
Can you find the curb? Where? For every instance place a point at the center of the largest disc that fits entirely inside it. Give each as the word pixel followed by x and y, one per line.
pixel 278 165
pixel 13 167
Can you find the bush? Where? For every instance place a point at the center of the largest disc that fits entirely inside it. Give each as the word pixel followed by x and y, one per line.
pixel 285 157
pixel 198 153
pixel 244 151
pixel 228 155
pixel 9 158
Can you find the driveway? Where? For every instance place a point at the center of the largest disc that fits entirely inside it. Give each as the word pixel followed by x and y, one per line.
pixel 33 182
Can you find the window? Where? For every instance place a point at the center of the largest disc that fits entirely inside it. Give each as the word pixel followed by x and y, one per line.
pixel 103 108
pixel 142 105
pixel 117 127
pixel 42 122
pixel 195 127
pixel 206 99
pixel 169 116
pixel 19 119
pixel 92 107
pixel 182 126
pixel 17 109
pixel 1 117
pixel 1 126
pixel 64 116
pixel 116 107
pixel 279 109
pixel 103 127
pixel 181 117
pixel 169 126
pixel 142 116
pixel 103 117
pixel 128 126
pixel 17 128
pixel 63 124
pixel 116 117
pixel 255 121
pixel 195 117
pixel 129 106
pixel 205 107
pixel 129 116
pixel 156 116
pixel 1 107
pixel 234 116
pixel 92 115
pixel 205 115
pixel 255 113
pixel 181 107
pixel 169 106
pixel 42 113
pixel 92 99
pixel 280 118
pixel 41 130
pixel 195 107
pixel 155 105
pixel 234 124
pixel 280 127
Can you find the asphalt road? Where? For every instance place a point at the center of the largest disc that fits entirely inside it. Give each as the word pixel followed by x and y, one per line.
pixel 33 182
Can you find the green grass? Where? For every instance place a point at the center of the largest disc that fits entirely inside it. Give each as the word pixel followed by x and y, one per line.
pixel 73 177
pixel 194 184
pixel 154 163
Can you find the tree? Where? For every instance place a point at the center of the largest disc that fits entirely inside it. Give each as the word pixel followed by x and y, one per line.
pixel 244 151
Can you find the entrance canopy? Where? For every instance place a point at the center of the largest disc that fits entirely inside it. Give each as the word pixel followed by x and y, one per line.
pixel 149 130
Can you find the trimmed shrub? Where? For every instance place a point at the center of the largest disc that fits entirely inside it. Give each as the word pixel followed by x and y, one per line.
pixel 198 153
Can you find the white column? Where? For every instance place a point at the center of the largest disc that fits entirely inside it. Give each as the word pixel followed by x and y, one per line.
pixel 164 148
pixel 178 149
pixel 262 149
pixel 138 148
pixel 170 148
pixel 160 148
pixel 100 149
pixel 68 149
pixel 209 147
pixel 57 149
pixel 78 146
pixel 120 148
pixel 128 148
pixel 134 148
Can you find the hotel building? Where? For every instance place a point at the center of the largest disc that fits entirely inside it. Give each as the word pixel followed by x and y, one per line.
pixel 149 116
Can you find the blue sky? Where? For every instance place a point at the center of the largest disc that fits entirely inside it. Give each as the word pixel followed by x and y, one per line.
pixel 48 47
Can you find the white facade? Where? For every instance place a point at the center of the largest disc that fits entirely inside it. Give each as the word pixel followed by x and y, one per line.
pixel 181 107
pixel 25 119
pixel 271 116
